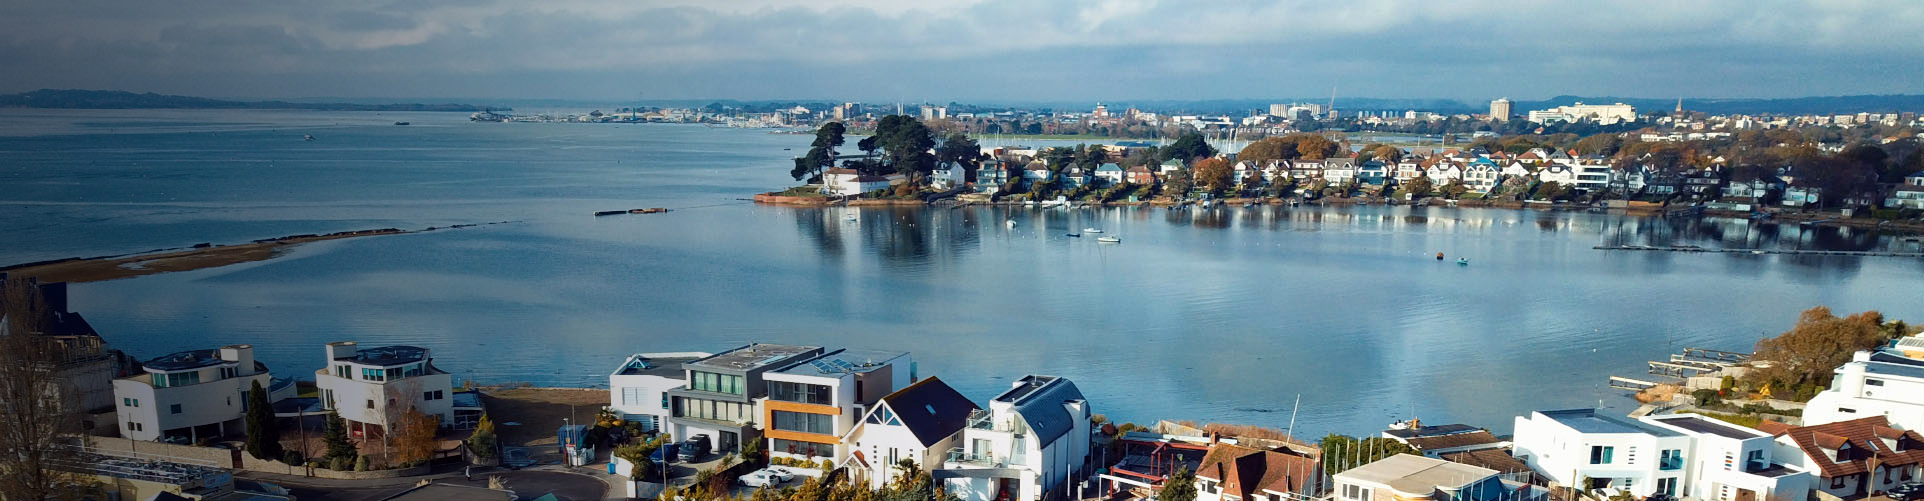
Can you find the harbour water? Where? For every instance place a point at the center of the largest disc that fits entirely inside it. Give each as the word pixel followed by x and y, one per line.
pixel 1222 315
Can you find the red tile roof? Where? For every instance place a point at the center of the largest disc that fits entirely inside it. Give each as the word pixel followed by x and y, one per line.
pixel 1243 471
pixel 1856 441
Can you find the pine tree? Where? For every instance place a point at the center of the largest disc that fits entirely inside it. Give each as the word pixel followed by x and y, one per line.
pixel 263 436
pixel 339 445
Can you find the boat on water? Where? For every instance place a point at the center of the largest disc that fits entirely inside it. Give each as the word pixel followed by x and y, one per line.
pixel 1439 256
pixel 1109 240
pixel 1091 230
pixel 309 137
pixel 1073 235
pixel 1010 222
pixel 1462 261
pixel 402 123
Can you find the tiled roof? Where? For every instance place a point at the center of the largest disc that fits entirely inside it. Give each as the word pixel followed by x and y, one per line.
pixel 1495 459
pixel 1430 443
pixel 1244 471
pixel 1856 440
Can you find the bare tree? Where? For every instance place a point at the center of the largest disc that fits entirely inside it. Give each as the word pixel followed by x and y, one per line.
pixel 410 430
pixel 35 421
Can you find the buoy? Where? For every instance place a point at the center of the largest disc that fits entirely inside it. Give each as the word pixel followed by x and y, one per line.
pixel 1439 256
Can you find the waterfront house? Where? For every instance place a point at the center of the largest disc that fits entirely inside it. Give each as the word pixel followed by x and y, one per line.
pixel 1372 173
pixel 1557 173
pixel 1413 477
pixel 718 398
pixel 948 176
pixel 1141 175
pixel 990 176
pixel 1275 170
pixel 1800 196
pixel 1909 195
pixel 1593 173
pixel 1244 168
pixel 1726 462
pixel 1306 169
pixel 1110 174
pixel 1482 178
pixel 1232 472
pixel 1611 453
pixel 1033 440
pixel 1036 170
pixel 1703 181
pixel 1438 440
pixel 1852 459
pixel 919 423
pixel 849 182
pixel 638 389
pixel 373 388
pixel 813 403
pixel 1339 171
pixel 1533 157
pixel 1518 169
pixel 1755 189
pixel 1169 166
pixel 1442 173
pixel 1408 168
pixel 1147 459
pixel 191 395
pixel 1888 382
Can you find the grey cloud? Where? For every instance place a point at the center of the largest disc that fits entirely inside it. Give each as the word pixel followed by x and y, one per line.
pixel 367 20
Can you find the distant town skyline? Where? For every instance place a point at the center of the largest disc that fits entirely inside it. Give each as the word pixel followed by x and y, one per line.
pixel 971 50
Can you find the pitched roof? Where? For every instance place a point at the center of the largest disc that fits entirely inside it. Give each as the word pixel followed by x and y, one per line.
pixel 1430 443
pixel 1039 399
pixel 841 170
pixel 930 409
pixel 1854 442
pixel 1245 471
pixel 1495 459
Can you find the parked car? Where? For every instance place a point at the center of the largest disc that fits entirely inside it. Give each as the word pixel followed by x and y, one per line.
pixel 668 451
pixel 758 478
pixel 1908 491
pixel 781 472
pixel 696 447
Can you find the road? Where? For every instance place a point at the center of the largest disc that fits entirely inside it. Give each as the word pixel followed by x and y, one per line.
pixel 527 484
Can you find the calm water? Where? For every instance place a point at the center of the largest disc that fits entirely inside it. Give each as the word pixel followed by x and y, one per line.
pixel 1222 315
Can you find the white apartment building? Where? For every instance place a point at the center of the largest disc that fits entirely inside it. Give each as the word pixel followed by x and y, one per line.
pixel 190 395
pixel 1413 477
pixel 638 390
pixel 1886 382
pixel 810 405
pixel 371 388
pixel 1615 454
pixel 1032 440
pixel 918 423
pixel 1605 114
pixel 1727 462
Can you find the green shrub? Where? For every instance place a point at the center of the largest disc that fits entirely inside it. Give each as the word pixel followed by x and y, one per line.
pixel 293 457
pixel 360 463
pixel 340 464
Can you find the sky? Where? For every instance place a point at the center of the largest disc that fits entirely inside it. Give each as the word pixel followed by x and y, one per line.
pixel 964 50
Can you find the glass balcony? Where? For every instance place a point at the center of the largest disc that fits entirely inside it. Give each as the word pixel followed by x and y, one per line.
pixel 982 419
pixel 960 456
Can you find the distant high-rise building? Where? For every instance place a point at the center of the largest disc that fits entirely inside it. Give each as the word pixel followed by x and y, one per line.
pixel 1101 111
pixel 1500 109
pixel 1279 110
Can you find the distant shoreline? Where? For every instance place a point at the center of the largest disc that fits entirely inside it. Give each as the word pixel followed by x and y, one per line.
pixel 118 100
pixel 197 257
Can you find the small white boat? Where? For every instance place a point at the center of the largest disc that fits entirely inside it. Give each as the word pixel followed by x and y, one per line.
pixel 308 137
pixel 1010 222
pixel 853 218
pixel 1091 230
pixel 1109 240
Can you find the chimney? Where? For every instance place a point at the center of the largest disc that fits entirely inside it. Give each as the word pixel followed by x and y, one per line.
pixel 243 357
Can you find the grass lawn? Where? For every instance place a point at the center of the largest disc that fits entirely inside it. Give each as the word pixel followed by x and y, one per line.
pixel 801 191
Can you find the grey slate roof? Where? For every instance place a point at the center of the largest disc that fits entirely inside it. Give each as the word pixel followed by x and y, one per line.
pixel 930 409
pixel 1039 400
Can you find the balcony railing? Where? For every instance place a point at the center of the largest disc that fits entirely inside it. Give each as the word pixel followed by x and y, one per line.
pixel 981 419
pixel 958 455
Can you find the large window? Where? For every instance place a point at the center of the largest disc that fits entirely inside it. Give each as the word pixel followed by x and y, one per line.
pixel 718 383
pixel 804 448
pixel 1352 491
pixel 1600 454
pixel 1670 459
pixel 176 379
pixel 800 393
pixel 805 423
pixel 712 410
pixel 373 374
pixel 633 396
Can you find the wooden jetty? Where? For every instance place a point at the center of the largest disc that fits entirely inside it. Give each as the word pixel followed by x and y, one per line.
pixel 1692 362
pixel 1624 383
pixel 1807 252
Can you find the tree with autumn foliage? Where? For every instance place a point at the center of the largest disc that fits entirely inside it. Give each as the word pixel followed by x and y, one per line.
pixel 1799 362
pixel 1215 175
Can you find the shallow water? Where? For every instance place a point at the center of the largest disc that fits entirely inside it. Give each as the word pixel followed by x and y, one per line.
pixel 1222 315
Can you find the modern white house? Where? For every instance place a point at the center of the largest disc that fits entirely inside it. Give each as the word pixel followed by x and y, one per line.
pixel 1885 382
pixel 1032 440
pixel 810 405
pixel 1231 472
pixel 1726 462
pixel 1436 441
pixel 1417 478
pixel 638 390
pixel 190 395
pixel 1852 459
pixel 1614 454
pixel 372 388
pixel 948 176
pixel 849 182
pixel 919 423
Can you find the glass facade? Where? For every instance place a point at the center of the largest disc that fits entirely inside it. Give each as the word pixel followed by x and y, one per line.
pixel 804 448
pixel 803 393
pixel 712 410
pixel 168 380
pixel 806 423
pixel 712 382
